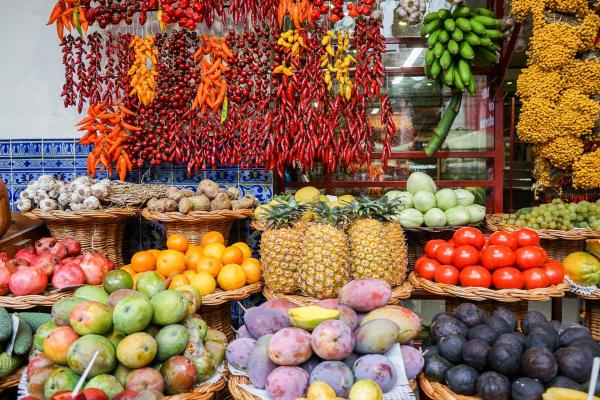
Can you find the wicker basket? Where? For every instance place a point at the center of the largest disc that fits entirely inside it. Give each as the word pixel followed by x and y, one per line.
pixel 96 230
pixel 401 292
pixel 12 380
pixel 196 224
pixel 417 238
pixel 216 307
pixel 557 243
pixel 32 301
pixel 239 393
pixel 591 318
pixel 437 391
pixel 480 294
pixel 202 392
pixel 518 308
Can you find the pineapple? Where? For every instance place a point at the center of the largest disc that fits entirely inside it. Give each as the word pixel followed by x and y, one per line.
pixel 280 246
pixel 376 246
pixel 325 261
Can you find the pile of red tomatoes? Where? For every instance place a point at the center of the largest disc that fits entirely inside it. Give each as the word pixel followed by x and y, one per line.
pixel 504 260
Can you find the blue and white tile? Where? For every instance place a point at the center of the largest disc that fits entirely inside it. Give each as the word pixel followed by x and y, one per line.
pixel 263 193
pixel 192 187
pixel 223 175
pixel 26 148
pixel 23 177
pixel 59 163
pixel 181 177
pixel 58 148
pixel 255 175
pixel 62 174
pixel 161 174
pixel 82 149
pixel 27 164
pixel 5 163
pixel 5 148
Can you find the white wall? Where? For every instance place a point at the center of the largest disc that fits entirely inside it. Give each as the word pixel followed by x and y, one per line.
pixel 31 74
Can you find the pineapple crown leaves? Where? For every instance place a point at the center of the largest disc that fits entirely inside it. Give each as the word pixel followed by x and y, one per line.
pixel 382 209
pixel 336 216
pixel 284 213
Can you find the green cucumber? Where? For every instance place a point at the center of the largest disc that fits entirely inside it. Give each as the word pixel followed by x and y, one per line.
pixel 24 338
pixel 35 319
pixel 9 364
pixel 5 324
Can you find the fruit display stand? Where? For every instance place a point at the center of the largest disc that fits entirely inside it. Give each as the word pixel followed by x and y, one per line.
pixel 37 300
pixel 197 223
pixel 401 292
pixel 96 230
pixel 216 307
pixel 416 238
pixel 203 392
pixel 437 391
pixel 557 243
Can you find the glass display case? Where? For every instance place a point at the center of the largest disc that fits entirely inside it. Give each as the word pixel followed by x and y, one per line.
pixel 472 155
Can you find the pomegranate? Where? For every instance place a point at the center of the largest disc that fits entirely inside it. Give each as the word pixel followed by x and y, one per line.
pixel 28 254
pixel 4 278
pixel 16 263
pixel 47 262
pixel 95 266
pixel 59 250
pixel 44 245
pixel 28 281
pixel 68 275
pixel 72 260
pixel 73 247
pixel 4 257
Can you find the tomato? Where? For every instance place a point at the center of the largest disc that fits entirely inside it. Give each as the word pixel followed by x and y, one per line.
pixel 470 236
pixel 450 242
pixel 475 275
pixel 486 242
pixel 508 278
pixel 426 268
pixel 497 256
pixel 504 238
pixel 432 246
pixel 554 271
pixel 464 256
pixel 535 278
pixel 446 274
pixel 444 253
pixel 420 260
pixel 530 257
pixel 526 237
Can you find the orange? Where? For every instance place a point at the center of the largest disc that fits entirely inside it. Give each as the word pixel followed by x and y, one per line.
pixel 193 248
pixel 189 273
pixel 170 262
pixel 192 257
pixel 251 267
pixel 232 255
pixel 212 237
pixel 179 280
pixel 205 283
pixel 244 248
pixel 135 279
pixel 209 265
pixel 231 277
pixel 155 252
pixel 177 242
pixel 215 250
pixel 129 269
pixel 143 261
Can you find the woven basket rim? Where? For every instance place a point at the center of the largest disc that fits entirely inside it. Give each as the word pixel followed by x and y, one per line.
pixel 400 292
pixel 196 216
pixel 495 224
pixel 12 380
pixel 480 294
pixel 239 393
pixel 223 297
pixel 204 391
pixel 437 391
pixel 36 300
pixel 593 296
pixel 83 215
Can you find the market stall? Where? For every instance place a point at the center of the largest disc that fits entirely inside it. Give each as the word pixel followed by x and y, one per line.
pixel 267 198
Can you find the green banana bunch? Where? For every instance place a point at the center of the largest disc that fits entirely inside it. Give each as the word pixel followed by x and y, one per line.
pixel 456 41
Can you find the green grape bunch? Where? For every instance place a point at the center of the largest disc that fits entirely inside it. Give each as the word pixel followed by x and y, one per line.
pixel 558 215
pixel 458 40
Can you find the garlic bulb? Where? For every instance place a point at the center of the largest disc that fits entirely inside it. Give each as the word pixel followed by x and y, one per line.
pixel 24 204
pixel 99 190
pixel 46 182
pixel 48 204
pixel 76 206
pixel 91 203
pixel 77 198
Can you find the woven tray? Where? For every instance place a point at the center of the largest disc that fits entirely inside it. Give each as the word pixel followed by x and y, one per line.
pixel 495 223
pixel 96 230
pixel 437 391
pixel 37 300
pixel 239 393
pixel 197 223
pixel 12 380
pixel 202 392
pixel 594 296
pixel 480 294
pixel 401 292
pixel 221 297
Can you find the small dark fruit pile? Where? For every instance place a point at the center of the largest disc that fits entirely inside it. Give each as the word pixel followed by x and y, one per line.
pixel 477 354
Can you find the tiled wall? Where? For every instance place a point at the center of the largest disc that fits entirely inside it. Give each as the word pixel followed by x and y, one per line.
pixel 24 160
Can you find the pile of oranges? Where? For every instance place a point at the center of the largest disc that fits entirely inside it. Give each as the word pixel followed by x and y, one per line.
pixel 205 267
